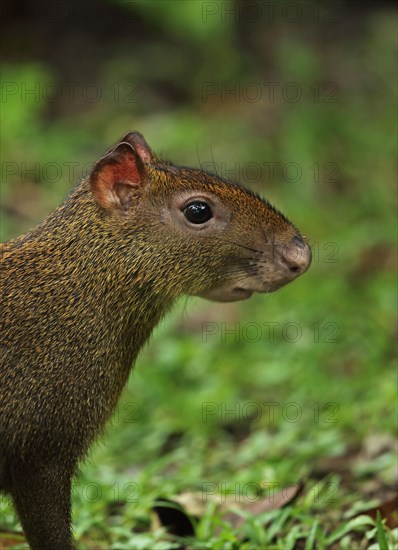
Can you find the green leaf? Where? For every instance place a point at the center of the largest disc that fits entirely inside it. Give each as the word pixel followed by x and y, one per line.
pixel 381 536
pixel 355 524
pixel 310 542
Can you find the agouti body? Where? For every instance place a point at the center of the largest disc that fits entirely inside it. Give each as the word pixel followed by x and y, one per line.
pixel 82 292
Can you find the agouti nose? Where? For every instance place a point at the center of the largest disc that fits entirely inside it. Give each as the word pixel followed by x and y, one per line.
pixel 296 256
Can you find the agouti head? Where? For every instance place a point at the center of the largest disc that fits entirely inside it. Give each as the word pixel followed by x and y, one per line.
pixel 204 235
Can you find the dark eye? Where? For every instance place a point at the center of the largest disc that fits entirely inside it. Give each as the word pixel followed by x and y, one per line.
pixel 198 212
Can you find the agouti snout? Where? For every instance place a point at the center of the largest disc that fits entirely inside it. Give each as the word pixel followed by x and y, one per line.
pixel 82 292
pixel 225 242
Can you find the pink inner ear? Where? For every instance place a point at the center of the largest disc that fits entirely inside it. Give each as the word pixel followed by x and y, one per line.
pixel 114 174
pixel 126 171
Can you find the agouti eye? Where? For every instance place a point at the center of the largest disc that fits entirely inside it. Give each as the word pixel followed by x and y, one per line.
pixel 198 212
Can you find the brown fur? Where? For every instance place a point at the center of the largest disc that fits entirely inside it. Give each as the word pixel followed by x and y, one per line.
pixel 81 294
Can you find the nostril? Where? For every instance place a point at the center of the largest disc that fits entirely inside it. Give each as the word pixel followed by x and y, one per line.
pixel 291 260
pixel 296 257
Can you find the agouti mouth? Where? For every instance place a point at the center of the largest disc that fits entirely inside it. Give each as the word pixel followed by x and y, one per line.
pixel 243 293
pixel 226 294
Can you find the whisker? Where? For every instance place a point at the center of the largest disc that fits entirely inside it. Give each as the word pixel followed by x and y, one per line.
pixel 198 155
pixel 212 158
pixel 238 244
pixel 264 235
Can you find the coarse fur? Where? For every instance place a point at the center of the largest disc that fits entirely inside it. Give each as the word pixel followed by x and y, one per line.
pixel 82 292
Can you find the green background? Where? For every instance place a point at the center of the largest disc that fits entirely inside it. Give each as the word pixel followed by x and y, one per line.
pixel 297 102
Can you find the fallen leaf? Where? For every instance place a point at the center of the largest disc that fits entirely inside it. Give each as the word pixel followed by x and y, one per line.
pixel 279 500
pixel 179 514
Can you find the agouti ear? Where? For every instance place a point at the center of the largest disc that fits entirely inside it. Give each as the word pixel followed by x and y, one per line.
pixel 116 176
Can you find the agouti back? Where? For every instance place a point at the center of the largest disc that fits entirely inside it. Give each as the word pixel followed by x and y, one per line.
pixel 82 292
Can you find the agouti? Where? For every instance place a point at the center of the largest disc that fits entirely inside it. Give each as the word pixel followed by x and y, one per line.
pixel 81 293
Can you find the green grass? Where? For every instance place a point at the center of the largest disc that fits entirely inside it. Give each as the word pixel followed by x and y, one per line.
pixel 211 411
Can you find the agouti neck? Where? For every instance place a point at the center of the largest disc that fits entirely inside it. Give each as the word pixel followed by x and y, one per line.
pixel 109 296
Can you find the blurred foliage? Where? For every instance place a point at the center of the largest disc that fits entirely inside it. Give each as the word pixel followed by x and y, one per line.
pixel 168 81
